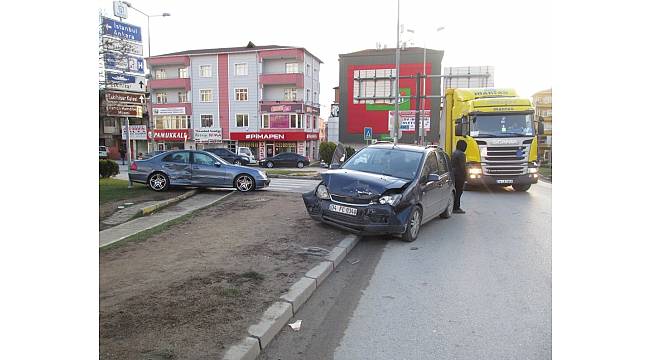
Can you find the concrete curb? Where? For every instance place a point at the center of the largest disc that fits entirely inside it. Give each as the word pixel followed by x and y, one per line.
pixel 277 176
pixel 163 223
pixel 163 204
pixel 279 314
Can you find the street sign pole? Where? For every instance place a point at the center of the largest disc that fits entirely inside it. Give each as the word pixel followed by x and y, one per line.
pixel 128 149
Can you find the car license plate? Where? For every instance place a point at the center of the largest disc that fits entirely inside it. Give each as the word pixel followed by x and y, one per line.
pixel 505 181
pixel 343 209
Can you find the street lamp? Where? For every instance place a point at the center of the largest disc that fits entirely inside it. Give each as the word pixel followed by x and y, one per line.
pixel 128 4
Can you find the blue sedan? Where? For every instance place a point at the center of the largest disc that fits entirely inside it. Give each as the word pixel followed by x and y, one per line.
pixel 197 169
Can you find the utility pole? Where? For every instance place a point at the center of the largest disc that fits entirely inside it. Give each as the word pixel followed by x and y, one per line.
pixel 418 118
pixel 397 48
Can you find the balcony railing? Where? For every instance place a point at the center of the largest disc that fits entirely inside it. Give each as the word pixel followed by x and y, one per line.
pixel 283 79
pixel 174 83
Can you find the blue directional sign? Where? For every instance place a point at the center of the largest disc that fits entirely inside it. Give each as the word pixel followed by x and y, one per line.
pixel 125 63
pixel 121 30
pixel 367 133
pixel 125 82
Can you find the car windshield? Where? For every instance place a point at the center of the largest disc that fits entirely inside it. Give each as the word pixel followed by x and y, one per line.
pixel 245 151
pixel 502 125
pixel 392 162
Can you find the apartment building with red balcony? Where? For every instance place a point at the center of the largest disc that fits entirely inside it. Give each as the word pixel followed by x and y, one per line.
pixel 266 98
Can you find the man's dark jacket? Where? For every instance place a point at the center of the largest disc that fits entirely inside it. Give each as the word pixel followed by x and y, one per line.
pixel 458 165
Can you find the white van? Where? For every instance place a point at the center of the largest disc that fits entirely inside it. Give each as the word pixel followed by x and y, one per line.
pixel 244 151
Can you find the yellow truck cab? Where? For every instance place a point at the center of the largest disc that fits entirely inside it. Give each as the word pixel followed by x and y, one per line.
pixel 498 127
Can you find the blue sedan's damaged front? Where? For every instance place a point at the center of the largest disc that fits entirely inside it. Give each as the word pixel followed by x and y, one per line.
pixel 361 202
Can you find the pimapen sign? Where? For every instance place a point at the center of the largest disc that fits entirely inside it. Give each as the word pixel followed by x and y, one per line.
pixel 121 97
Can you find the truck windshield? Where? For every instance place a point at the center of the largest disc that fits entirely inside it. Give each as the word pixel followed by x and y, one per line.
pixel 502 125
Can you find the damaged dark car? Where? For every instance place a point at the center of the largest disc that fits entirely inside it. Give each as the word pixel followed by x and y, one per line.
pixel 385 189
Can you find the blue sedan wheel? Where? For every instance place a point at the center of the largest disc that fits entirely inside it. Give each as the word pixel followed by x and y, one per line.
pixel 244 183
pixel 158 182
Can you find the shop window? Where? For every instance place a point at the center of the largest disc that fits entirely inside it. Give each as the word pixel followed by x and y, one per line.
pixel 242 120
pixel 169 122
pixel 207 120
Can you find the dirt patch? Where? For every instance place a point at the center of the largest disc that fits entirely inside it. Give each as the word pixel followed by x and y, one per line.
pixel 193 290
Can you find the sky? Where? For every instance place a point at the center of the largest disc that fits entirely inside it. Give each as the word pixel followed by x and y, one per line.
pixel 514 36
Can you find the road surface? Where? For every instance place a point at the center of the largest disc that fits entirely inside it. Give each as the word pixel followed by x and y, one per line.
pixel 475 286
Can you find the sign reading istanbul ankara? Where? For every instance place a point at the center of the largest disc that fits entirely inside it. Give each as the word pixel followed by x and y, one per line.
pixel 287 136
pixel 171 135
pixel 121 30
pixel 207 135
pixel 136 132
pixel 169 111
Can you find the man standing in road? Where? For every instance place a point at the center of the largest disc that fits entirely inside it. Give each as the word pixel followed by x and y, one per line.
pixel 458 167
pixel 122 154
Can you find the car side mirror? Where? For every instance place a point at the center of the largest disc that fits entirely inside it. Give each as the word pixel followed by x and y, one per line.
pixel 433 177
pixel 335 166
pixel 217 164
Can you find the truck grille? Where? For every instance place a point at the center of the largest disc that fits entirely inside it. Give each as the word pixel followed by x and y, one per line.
pixel 506 160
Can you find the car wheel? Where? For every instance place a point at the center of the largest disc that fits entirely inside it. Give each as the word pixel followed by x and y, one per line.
pixel 237 162
pixel 300 164
pixel 519 187
pixel 450 207
pixel 413 226
pixel 158 182
pixel 244 183
pixel 269 164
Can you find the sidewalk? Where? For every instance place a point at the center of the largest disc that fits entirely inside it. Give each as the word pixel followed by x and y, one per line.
pixel 196 202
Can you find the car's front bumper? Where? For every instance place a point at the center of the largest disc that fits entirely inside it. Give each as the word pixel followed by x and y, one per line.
pixel 373 219
pixel 503 180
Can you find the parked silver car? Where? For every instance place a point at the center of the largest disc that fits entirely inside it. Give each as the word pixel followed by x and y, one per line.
pixel 195 168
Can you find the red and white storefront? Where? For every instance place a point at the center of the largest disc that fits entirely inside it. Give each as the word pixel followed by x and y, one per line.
pixel 270 143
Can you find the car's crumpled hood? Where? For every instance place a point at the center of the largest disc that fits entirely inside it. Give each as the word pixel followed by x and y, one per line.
pixel 360 184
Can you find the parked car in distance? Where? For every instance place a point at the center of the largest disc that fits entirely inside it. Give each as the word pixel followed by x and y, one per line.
pixel 385 189
pixel 197 169
pixel 285 159
pixel 152 154
pixel 103 152
pixel 244 151
pixel 229 156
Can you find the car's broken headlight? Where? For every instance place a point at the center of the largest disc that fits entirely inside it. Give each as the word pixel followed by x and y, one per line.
pixel 391 200
pixel 321 192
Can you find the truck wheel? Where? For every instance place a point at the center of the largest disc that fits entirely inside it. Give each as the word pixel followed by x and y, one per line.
pixel 521 187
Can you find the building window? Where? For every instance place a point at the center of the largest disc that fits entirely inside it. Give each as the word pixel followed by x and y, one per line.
pixel 161 98
pixel 241 69
pixel 206 95
pixel 205 71
pixel 291 68
pixel 171 122
pixel 207 120
pixel 366 85
pixel 307 120
pixel 241 94
pixel 296 121
pixel 265 121
pixel 182 97
pixel 315 97
pixel 182 73
pixel 307 96
pixel 290 94
pixel 161 74
pixel 314 122
pixel 308 70
pixel 242 120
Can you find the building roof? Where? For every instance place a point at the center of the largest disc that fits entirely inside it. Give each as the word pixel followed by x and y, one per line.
pixel 248 48
pixel 388 51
